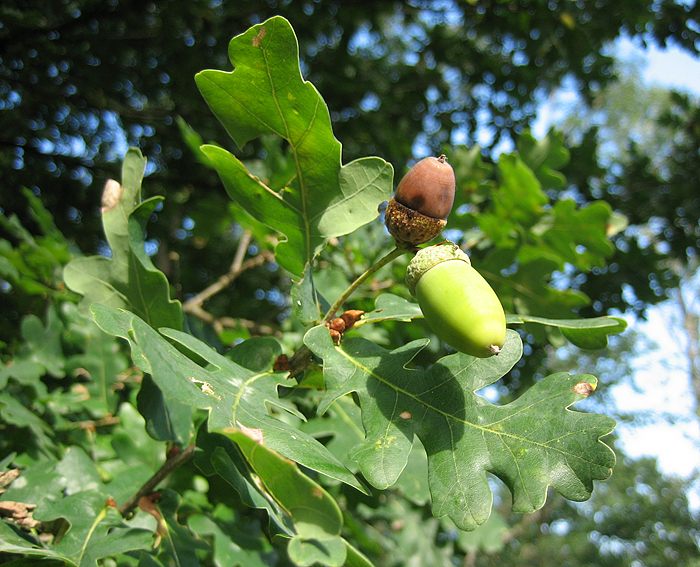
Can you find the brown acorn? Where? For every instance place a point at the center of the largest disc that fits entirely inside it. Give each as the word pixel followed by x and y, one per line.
pixel 422 202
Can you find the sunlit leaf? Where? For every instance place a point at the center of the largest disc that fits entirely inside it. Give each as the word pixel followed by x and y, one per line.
pixel 266 94
pixel 128 279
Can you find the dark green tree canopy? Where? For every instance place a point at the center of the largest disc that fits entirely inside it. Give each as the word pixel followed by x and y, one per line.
pixel 81 80
pixel 239 375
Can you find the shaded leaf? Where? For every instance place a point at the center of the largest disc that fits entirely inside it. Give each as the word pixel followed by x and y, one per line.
pixel 71 495
pixel 305 299
pixel 177 545
pixel 42 344
pixel 102 361
pixel 532 443
pixel 13 412
pixel 232 546
pixel 256 353
pixel 167 419
pixel 222 456
pixel 12 541
pixel 545 157
pixel 316 517
pixel 94 530
pixel 233 395
pixel 342 423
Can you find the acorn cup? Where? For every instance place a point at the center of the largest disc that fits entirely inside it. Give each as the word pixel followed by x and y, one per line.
pixel 423 201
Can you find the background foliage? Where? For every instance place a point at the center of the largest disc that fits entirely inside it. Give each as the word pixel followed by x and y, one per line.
pixel 81 81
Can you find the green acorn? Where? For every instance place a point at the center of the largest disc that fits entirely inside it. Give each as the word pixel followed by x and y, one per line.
pixel 457 302
pixel 422 203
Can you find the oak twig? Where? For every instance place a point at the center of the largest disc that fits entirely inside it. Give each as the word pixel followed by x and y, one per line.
pixel 302 357
pixel 193 305
pixel 378 265
pixel 173 461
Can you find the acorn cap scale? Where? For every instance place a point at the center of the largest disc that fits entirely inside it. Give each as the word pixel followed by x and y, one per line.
pixel 429 257
pixel 409 227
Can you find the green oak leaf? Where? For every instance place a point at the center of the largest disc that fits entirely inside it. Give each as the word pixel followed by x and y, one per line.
pixel 529 289
pixel 41 353
pixel 233 395
pixel 390 307
pixel 100 358
pixel 531 443
pixel 355 558
pixel 128 279
pixel 342 424
pixel 266 94
pixel 219 455
pixel 167 419
pixel 576 235
pixel 12 411
pixel 305 553
pixel 545 157
pixel 471 172
pixel 237 543
pixel 95 530
pixel 178 544
pixel 13 541
pixel 42 343
pixel 315 515
pixel 71 496
pixel 518 185
pixel 589 333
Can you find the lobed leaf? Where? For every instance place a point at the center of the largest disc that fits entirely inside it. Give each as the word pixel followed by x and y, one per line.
pixel 128 279
pixel 234 396
pixel 70 496
pixel 531 443
pixel 266 94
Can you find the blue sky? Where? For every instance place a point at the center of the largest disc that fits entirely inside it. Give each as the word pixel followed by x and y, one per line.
pixel 662 375
pixel 661 381
pixel 666 67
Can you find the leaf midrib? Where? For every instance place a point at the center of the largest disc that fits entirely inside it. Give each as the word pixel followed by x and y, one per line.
pixel 293 146
pixel 447 415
